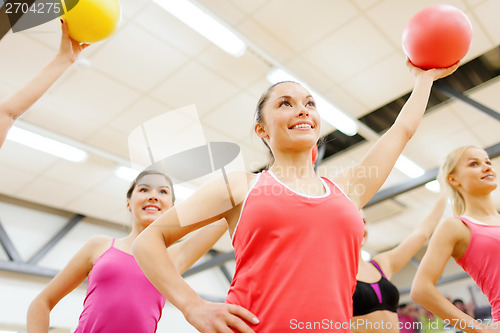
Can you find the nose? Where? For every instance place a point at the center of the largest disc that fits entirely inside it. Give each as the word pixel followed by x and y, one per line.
pixel 303 112
pixel 486 167
pixel 153 197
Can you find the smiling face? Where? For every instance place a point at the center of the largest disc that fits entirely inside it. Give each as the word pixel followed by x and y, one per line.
pixel 289 119
pixel 151 197
pixel 473 173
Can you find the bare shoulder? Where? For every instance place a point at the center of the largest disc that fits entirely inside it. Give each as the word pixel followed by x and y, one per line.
pixel 96 246
pixel 453 230
pixel 453 225
pixel 345 180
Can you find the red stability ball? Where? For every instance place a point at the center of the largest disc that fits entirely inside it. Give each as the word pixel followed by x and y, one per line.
pixel 437 36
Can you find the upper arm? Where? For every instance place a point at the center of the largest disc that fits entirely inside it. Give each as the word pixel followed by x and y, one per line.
pixel 363 180
pixel 74 273
pixel 185 253
pixel 215 200
pixel 393 260
pixel 448 235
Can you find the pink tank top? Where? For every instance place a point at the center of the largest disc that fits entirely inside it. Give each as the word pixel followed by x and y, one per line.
pixel 120 299
pixel 296 258
pixel 481 261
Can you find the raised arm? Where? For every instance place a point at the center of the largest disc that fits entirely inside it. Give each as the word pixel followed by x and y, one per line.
pixel 13 106
pixel 393 260
pixel 70 277
pixel 446 242
pixel 207 205
pixel 185 253
pixel 362 181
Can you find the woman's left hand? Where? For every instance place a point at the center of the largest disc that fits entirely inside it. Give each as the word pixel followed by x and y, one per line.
pixel 69 49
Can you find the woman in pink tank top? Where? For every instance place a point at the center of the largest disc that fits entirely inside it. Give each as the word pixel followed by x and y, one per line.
pixel 296 236
pixel 472 238
pixel 119 298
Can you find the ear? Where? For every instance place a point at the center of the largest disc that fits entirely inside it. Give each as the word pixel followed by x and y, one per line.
pixel 452 181
pixel 365 237
pixel 261 131
pixel 128 206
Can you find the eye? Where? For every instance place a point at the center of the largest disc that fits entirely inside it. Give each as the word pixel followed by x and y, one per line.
pixel 311 103
pixel 473 164
pixel 143 189
pixel 164 192
pixel 488 162
pixel 285 103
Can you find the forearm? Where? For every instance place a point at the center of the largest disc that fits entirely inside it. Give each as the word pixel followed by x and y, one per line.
pixel 429 223
pixel 152 256
pixel 185 253
pixel 412 112
pixel 38 319
pixel 428 296
pixel 16 104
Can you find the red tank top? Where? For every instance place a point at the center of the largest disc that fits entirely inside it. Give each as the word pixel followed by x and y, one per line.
pixel 296 258
pixel 481 261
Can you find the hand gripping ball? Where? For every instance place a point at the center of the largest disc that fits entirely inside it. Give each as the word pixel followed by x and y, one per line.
pixel 437 36
pixel 90 21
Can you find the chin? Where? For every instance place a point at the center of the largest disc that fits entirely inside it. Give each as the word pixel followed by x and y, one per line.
pixel 150 219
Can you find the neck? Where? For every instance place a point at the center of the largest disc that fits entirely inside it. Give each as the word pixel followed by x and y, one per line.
pixel 479 205
pixel 137 228
pixel 297 165
pixel 361 262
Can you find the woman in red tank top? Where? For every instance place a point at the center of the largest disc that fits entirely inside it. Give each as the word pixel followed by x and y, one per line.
pixel 472 238
pixel 149 195
pixel 289 123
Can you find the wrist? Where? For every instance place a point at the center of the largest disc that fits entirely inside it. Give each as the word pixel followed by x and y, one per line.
pixel 425 76
pixel 63 60
pixel 187 305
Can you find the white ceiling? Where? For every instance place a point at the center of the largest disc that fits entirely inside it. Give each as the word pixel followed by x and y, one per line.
pixel 348 50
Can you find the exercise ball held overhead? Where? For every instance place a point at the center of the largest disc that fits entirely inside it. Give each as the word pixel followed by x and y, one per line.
pixel 437 36
pixel 91 21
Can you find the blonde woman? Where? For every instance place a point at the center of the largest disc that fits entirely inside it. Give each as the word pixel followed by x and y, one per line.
pixel 472 238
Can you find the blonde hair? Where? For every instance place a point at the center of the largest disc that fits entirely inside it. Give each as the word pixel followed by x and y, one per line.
pixel 446 169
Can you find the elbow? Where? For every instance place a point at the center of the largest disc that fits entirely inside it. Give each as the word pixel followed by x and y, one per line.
pixel 415 294
pixel 421 236
pixel 10 111
pixel 409 130
pixel 181 263
pixel 418 292
pixel 404 131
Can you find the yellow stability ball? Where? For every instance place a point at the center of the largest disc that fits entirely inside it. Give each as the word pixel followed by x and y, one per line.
pixel 90 21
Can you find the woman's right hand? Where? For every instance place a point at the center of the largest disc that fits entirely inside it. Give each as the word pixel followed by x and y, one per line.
pixel 208 317
pixel 435 73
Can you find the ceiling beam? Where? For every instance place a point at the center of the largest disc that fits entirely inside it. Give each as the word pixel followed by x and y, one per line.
pixel 56 239
pixel 213 262
pixel 8 246
pixel 455 94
